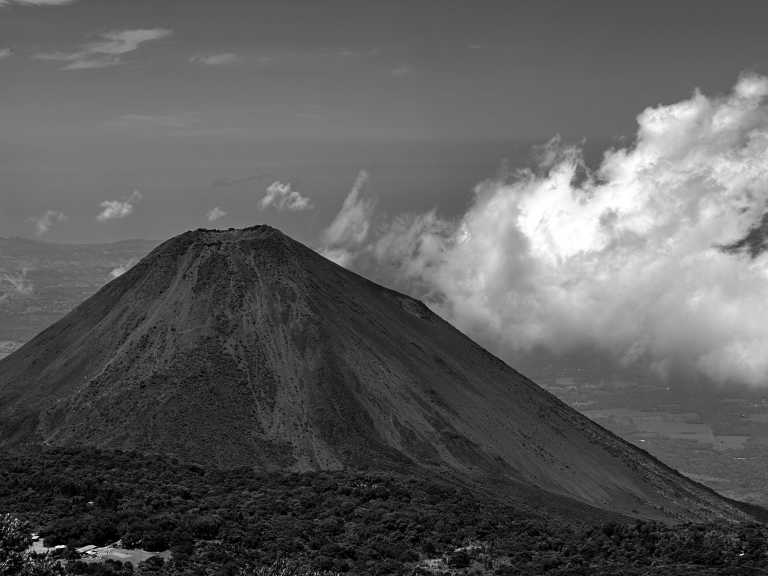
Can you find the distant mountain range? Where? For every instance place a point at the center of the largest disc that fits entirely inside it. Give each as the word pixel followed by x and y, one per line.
pixel 246 348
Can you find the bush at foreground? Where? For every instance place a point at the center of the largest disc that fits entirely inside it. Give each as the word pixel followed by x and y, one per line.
pixel 15 538
pixel 283 568
pixel 231 523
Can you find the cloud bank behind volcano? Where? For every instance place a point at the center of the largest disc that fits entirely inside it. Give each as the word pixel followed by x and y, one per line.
pixel 644 258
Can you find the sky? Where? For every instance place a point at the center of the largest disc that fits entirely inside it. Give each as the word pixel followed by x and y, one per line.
pixel 101 98
pixel 549 175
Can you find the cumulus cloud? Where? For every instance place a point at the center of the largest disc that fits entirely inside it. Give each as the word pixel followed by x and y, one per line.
pixel 46 221
pixel 116 209
pixel 107 50
pixel 5 53
pixel 215 214
pixel 282 196
pixel 655 257
pixel 221 59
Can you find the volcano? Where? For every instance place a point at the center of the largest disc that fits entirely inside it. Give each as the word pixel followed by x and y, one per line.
pixel 246 348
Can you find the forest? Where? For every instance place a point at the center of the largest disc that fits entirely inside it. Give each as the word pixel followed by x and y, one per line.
pixel 240 523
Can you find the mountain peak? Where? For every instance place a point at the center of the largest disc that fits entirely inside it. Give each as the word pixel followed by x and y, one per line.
pixel 221 259
pixel 257 237
pixel 257 232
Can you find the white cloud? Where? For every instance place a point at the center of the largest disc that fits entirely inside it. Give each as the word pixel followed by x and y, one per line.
pixel 45 221
pixel 349 229
pixel 122 269
pixel 627 260
pixel 108 50
pixel 222 59
pixel 5 53
pixel 215 214
pixel 282 196
pixel 116 209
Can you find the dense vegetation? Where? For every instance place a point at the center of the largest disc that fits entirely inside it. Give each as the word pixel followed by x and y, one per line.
pixel 235 523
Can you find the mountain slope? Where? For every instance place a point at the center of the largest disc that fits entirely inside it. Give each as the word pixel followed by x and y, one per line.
pixel 244 347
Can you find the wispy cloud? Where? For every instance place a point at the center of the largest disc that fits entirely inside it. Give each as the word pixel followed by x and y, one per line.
pixel 107 51
pixel 45 221
pixel 5 53
pixel 357 53
pixel 401 71
pixel 221 59
pixel 282 196
pixel 182 125
pixel 147 121
pixel 36 2
pixel 226 182
pixel 122 269
pixel 215 214
pixel 116 209
pixel 349 230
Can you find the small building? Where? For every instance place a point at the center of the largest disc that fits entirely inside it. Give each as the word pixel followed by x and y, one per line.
pixel 88 550
pixel 472 547
pixel 433 564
